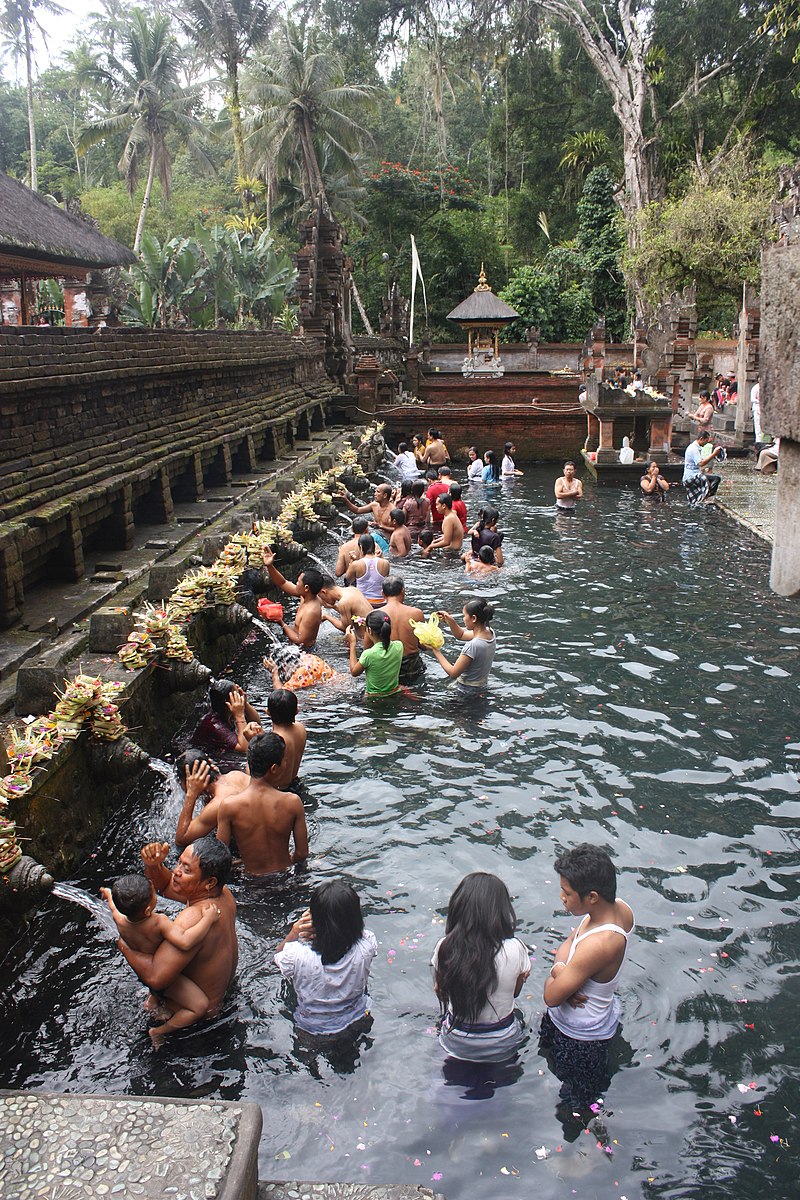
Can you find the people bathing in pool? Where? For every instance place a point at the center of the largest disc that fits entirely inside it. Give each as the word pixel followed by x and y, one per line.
pixel 381 658
pixel 470 672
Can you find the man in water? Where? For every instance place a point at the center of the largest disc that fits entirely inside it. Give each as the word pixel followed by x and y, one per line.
pixel 436 452
pixel 200 875
pixel 308 617
pixel 380 507
pixel 401 615
pixel 699 484
pixel 452 535
pixel 261 818
pixel 199 775
pixel 568 489
pixel 349 603
pixel 349 549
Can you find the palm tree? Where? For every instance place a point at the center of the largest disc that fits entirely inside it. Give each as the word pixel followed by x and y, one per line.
pixel 148 103
pixel 226 31
pixel 18 23
pixel 303 100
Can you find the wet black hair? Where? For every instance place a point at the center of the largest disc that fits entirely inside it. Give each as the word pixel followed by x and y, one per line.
pixel 480 917
pixel 479 608
pixel 315 581
pixel 426 537
pixel 188 759
pixel 508 447
pixel 398 516
pixel 360 525
pixel 380 626
pixel 489 516
pixel 444 470
pixel 402 447
pixel 219 693
pixel 432 474
pixel 486 554
pixel 214 858
pixel 433 433
pixel 455 491
pixel 282 706
pixel 405 487
pixel 473 450
pixel 366 543
pixel 446 499
pixel 393 585
pixel 703 435
pixel 132 894
pixel 265 750
pixel 418 488
pixel 495 470
pixel 337 919
pixel 705 392
pixel 587 868
pixel 569 463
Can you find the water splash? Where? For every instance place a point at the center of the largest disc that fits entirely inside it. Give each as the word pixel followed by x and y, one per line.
pixel 325 569
pixel 267 629
pixel 93 904
pixel 334 536
pixel 159 767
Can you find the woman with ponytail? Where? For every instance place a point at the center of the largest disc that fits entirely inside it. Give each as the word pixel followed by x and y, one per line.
pixel 485 534
pixel 470 671
pixel 381 658
pixel 479 968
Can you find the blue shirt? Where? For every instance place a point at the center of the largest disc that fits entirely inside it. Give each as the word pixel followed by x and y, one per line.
pixel 691 461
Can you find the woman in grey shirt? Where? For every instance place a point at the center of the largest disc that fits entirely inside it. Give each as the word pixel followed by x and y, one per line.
pixel 470 671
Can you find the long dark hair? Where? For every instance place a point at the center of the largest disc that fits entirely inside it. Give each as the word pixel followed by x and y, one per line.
pixel 489 516
pixel 479 919
pixel 495 470
pixel 338 920
pixel 380 626
pixel 480 609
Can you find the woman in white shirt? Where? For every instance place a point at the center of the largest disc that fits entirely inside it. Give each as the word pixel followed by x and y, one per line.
pixel 327 956
pixel 509 467
pixel 475 469
pixel 479 968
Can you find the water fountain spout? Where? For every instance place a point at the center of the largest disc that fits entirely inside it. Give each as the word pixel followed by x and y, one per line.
pixel 183 676
pixel 27 882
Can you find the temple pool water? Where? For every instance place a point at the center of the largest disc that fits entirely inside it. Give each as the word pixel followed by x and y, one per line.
pixel 645 698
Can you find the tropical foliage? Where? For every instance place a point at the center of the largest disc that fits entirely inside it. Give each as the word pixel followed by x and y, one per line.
pixel 590 155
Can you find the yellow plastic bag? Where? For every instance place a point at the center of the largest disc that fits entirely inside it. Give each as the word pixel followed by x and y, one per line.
pixel 428 632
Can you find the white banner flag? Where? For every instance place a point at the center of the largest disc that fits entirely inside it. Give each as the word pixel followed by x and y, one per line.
pixel 416 269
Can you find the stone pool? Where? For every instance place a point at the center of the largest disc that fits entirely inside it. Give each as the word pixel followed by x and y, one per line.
pixel 645 698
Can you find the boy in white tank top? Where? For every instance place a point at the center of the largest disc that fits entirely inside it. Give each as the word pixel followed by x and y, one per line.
pixel 583 1011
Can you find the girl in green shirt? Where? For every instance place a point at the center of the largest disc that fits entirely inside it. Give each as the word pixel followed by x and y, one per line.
pixel 381 658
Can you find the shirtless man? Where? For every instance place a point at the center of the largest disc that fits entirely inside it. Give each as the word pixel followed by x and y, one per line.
pixel 308 617
pixel 452 535
pixel 261 818
pixel 282 709
pixel 348 551
pixel 199 775
pixel 400 542
pixel 380 507
pixel 568 489
pixel 401 615
pixel 349 603
pixel 436 454
pixel 200 875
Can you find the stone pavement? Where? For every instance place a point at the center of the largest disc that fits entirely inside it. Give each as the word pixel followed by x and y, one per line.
pixel 748 496
pixel 70 1147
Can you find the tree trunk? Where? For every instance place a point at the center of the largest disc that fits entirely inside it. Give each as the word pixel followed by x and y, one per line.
pixel 31 119
pixel 235 109
pixel 312 172
pixel 146 201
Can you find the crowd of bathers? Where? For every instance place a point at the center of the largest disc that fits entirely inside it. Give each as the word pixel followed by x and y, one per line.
pixel 253 809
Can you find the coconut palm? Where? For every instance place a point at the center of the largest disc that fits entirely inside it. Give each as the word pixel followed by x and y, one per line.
pixel 303 102
pixel 226 31
pixel 19 21
pixel 149 103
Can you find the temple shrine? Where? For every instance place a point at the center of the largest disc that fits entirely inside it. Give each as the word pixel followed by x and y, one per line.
pixel 483 315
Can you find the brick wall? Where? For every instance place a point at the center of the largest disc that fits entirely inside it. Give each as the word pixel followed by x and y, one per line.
pixel 103 430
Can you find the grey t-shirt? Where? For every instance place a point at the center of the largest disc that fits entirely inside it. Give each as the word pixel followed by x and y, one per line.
pixel 482 654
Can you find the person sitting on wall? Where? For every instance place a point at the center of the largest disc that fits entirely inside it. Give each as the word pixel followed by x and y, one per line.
pixel 308 617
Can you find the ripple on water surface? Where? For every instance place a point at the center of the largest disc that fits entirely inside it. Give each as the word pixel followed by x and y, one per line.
pixel 644 698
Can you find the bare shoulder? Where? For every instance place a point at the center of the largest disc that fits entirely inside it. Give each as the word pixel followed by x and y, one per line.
pixel 624 915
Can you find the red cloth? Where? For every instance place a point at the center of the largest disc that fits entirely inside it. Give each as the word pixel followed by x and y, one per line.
pixel 460 509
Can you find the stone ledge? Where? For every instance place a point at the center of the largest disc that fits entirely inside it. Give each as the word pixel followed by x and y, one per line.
pixel 123 1146
pixel 345 1191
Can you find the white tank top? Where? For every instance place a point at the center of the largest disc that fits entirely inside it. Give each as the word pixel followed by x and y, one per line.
pixel 370 584
pixel 599 1017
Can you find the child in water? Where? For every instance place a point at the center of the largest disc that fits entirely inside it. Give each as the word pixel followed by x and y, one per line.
pixel 132 901
pixel 381 657
pixel 483 566
pixel 327 956
pixel 583 1011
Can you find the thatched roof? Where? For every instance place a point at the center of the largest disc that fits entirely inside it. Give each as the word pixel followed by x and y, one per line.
pixel 483 306
pixel 39 238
